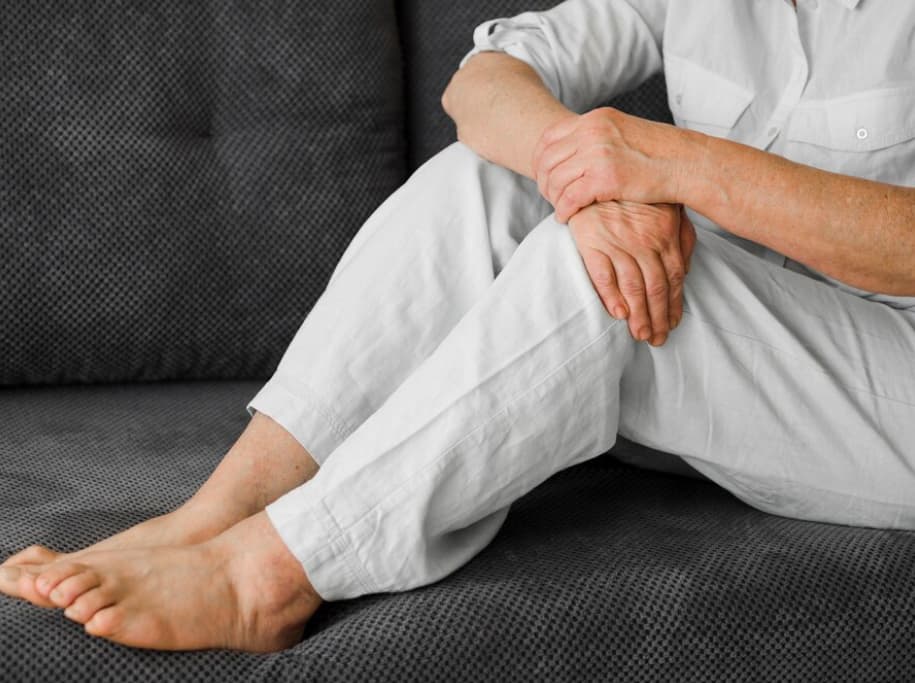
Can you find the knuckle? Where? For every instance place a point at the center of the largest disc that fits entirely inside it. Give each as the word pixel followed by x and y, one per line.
pixel 571 195
pixel 657 289
pixel 605 153
pixel 676 277
pixel 631 287
pixel 602 279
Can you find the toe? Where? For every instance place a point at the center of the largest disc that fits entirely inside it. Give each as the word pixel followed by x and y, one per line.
pixel 19 582
pixel 9 581
pixel 55 573
pixel 74 586
pixel 105 622
pixel 34 554
pixel 88 604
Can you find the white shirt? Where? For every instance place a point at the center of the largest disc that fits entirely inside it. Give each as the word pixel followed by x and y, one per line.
pixel 830 84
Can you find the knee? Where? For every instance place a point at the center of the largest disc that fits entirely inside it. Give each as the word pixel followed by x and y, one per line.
pixel 455 158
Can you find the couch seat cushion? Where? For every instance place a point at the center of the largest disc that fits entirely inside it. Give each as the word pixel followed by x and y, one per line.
pixel 603 572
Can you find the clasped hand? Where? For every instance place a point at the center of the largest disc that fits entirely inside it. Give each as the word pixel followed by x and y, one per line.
pixel 635 246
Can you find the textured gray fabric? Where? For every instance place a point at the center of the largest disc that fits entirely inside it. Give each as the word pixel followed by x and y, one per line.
pixel 604 572
pixel 168 208
pixel 178 179
pixel 435 36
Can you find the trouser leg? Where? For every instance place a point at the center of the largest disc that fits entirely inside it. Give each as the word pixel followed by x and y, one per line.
pixel 795 396
pixel 416 266
pixel 525 384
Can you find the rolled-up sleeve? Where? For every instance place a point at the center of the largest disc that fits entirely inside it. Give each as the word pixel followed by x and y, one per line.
pixel 585 51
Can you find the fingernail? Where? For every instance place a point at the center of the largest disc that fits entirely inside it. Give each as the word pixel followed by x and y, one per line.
pixel 643 333
pixel 658 339
pixel 9 573
pixel 42 585
pixel 55 595
pixel 619 312
pixel 674 321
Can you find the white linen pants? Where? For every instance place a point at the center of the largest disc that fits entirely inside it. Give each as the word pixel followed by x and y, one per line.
pixel 449 368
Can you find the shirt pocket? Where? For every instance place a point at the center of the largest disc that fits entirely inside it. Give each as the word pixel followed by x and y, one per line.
pixel 863 122
pixel 703 100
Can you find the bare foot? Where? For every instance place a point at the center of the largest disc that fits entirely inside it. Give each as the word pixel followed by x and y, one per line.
pixel 187 525
pixel 265 462
pixel 242 590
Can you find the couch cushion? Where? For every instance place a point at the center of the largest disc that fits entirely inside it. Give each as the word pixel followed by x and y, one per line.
pixel 178 179
pixel 436 35
pixel 603 572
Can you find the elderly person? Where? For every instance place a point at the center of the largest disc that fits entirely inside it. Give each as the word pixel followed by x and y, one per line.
pixel 735 290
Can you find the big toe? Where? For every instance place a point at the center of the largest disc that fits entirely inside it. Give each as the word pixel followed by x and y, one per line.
pixel 19 582
pixel 34 554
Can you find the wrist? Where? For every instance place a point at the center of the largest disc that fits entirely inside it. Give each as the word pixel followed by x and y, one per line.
pixel 691 166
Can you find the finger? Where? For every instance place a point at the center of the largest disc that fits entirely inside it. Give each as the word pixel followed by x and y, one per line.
pixel 552 156
pixel 557 131
pixel 657 294
pixel 632 287
pixel 603 278
pixel 675 271
pixel 567 172
pixel 590 187
pixel 575 196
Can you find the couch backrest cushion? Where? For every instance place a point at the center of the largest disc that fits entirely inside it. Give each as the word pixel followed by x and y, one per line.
pixel 437 34
pixel 178 179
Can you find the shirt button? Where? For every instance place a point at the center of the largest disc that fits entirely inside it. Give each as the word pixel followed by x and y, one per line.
pixel 679 99
pixel 862 133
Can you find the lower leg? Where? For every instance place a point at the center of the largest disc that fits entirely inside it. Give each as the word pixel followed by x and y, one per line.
pixel 526 384
pixel 265 462
pixel 411 272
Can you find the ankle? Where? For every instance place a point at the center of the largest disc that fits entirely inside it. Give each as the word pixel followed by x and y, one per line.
pixel 264 573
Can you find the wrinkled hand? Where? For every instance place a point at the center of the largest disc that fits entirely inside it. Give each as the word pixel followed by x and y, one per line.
pixel 605 155
pixel 637 256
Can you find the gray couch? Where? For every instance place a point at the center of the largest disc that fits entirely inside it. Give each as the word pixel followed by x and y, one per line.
pixel 177 180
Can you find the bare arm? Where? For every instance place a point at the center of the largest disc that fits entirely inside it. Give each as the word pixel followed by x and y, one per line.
pixel 501 107
pixel 857 231
pixel 635 255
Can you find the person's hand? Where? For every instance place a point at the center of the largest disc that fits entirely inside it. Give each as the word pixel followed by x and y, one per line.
pixel 637 256
pixel 605 155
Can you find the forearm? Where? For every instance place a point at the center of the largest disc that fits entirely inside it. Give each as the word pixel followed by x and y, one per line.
pixel 500 107
pixel 854 230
